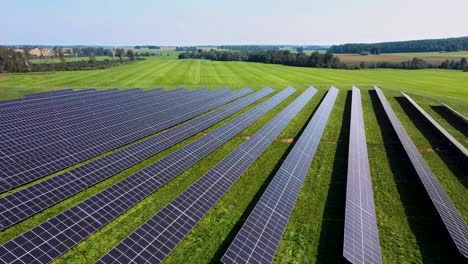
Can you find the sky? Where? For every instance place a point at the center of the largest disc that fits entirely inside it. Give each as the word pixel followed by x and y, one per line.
pixel 217 22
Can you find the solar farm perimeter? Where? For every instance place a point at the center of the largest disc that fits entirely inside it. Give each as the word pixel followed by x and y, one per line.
pixel 195 135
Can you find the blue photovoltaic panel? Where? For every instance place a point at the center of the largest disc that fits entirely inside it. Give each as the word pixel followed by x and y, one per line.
pixel 26 202
pixel 260 235
pixel 57 235
pixel 455 112
pixel 35 168
pixel 91 106
pixel 361 238
pixel 452 219
pixel 154 240
pixel 437 126
pixel 38 135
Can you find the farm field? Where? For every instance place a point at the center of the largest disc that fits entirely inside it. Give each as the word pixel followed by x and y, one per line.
pixel 171 72
pixel 409 228
pixel 431 57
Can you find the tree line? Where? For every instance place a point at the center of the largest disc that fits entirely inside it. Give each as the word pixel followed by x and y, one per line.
pixel 416 64
pixel 19 60
pixel 284 57
pixel 314 60
pixel 147 47
pixel 426 45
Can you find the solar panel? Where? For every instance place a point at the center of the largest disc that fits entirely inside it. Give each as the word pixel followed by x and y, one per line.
pixel 455 112
pixel 361 238
pixel 49 93
pixel 260 236
pixel 55 236
pixel 90 106
pixel 452 141
pixel 155 239
pixel 36 131
pixel 24 203
pixel 450 216
pixel 21 105
pixel 35 168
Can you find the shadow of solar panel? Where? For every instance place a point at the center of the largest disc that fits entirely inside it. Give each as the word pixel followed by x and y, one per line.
pixel 260 236
pixel 161 234
pixel 361 238
pixel 85 218
pixel 461 149
pixel 456 113
pixel 49 192
pixel 450 216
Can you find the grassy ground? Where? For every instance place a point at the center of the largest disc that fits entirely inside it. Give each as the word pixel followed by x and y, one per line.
pixel 409 229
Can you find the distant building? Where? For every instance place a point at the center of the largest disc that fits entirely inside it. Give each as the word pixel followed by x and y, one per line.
pixel 365 53
pixel 39 52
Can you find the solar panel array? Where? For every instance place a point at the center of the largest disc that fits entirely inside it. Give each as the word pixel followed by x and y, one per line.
pixel 361 238
pixel 90 107
pixel 155 239
pixel 26 202
pixel 98 141
pixel 455 112
pixel 43 140
pixel 439 128
pixel 451 218
pixel 259 237
pixel 54 237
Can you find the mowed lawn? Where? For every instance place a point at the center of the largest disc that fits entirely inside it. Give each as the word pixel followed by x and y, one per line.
pixel 410 230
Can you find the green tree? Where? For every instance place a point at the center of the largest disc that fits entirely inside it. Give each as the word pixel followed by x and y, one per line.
pixel 131 54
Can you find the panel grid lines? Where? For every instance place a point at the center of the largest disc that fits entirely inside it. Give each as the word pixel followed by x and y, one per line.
pixel 260 235
pixel 449 214
pixel 110 203
pixel 361 241
pixel 437 126
pixel 173 222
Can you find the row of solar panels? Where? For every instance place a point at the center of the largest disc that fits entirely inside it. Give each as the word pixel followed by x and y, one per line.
pixel 259 237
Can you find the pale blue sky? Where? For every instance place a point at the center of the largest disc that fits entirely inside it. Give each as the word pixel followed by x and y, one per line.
pixel 184 22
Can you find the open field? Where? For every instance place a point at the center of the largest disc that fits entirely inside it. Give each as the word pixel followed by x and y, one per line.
pixel 170 72
pixel 409 229
pixel 431 57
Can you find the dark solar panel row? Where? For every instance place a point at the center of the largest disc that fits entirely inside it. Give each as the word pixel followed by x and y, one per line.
pixel 455 112
pixel 43 115
pixel 461 149
pixel 31 129
pixel 260 236
pixel 134 110
pixel 19 101
pixel 26 104
pixel 18 175
pixel 57 235
pixel 452 219
pixel 29 201
pixel 49 94
pixel 361 238
pixel 153 241
pixel 110 128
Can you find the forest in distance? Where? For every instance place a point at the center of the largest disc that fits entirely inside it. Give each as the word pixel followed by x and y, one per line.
pixel 315 60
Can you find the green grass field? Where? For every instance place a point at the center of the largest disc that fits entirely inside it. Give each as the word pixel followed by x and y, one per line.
pixel 409 229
